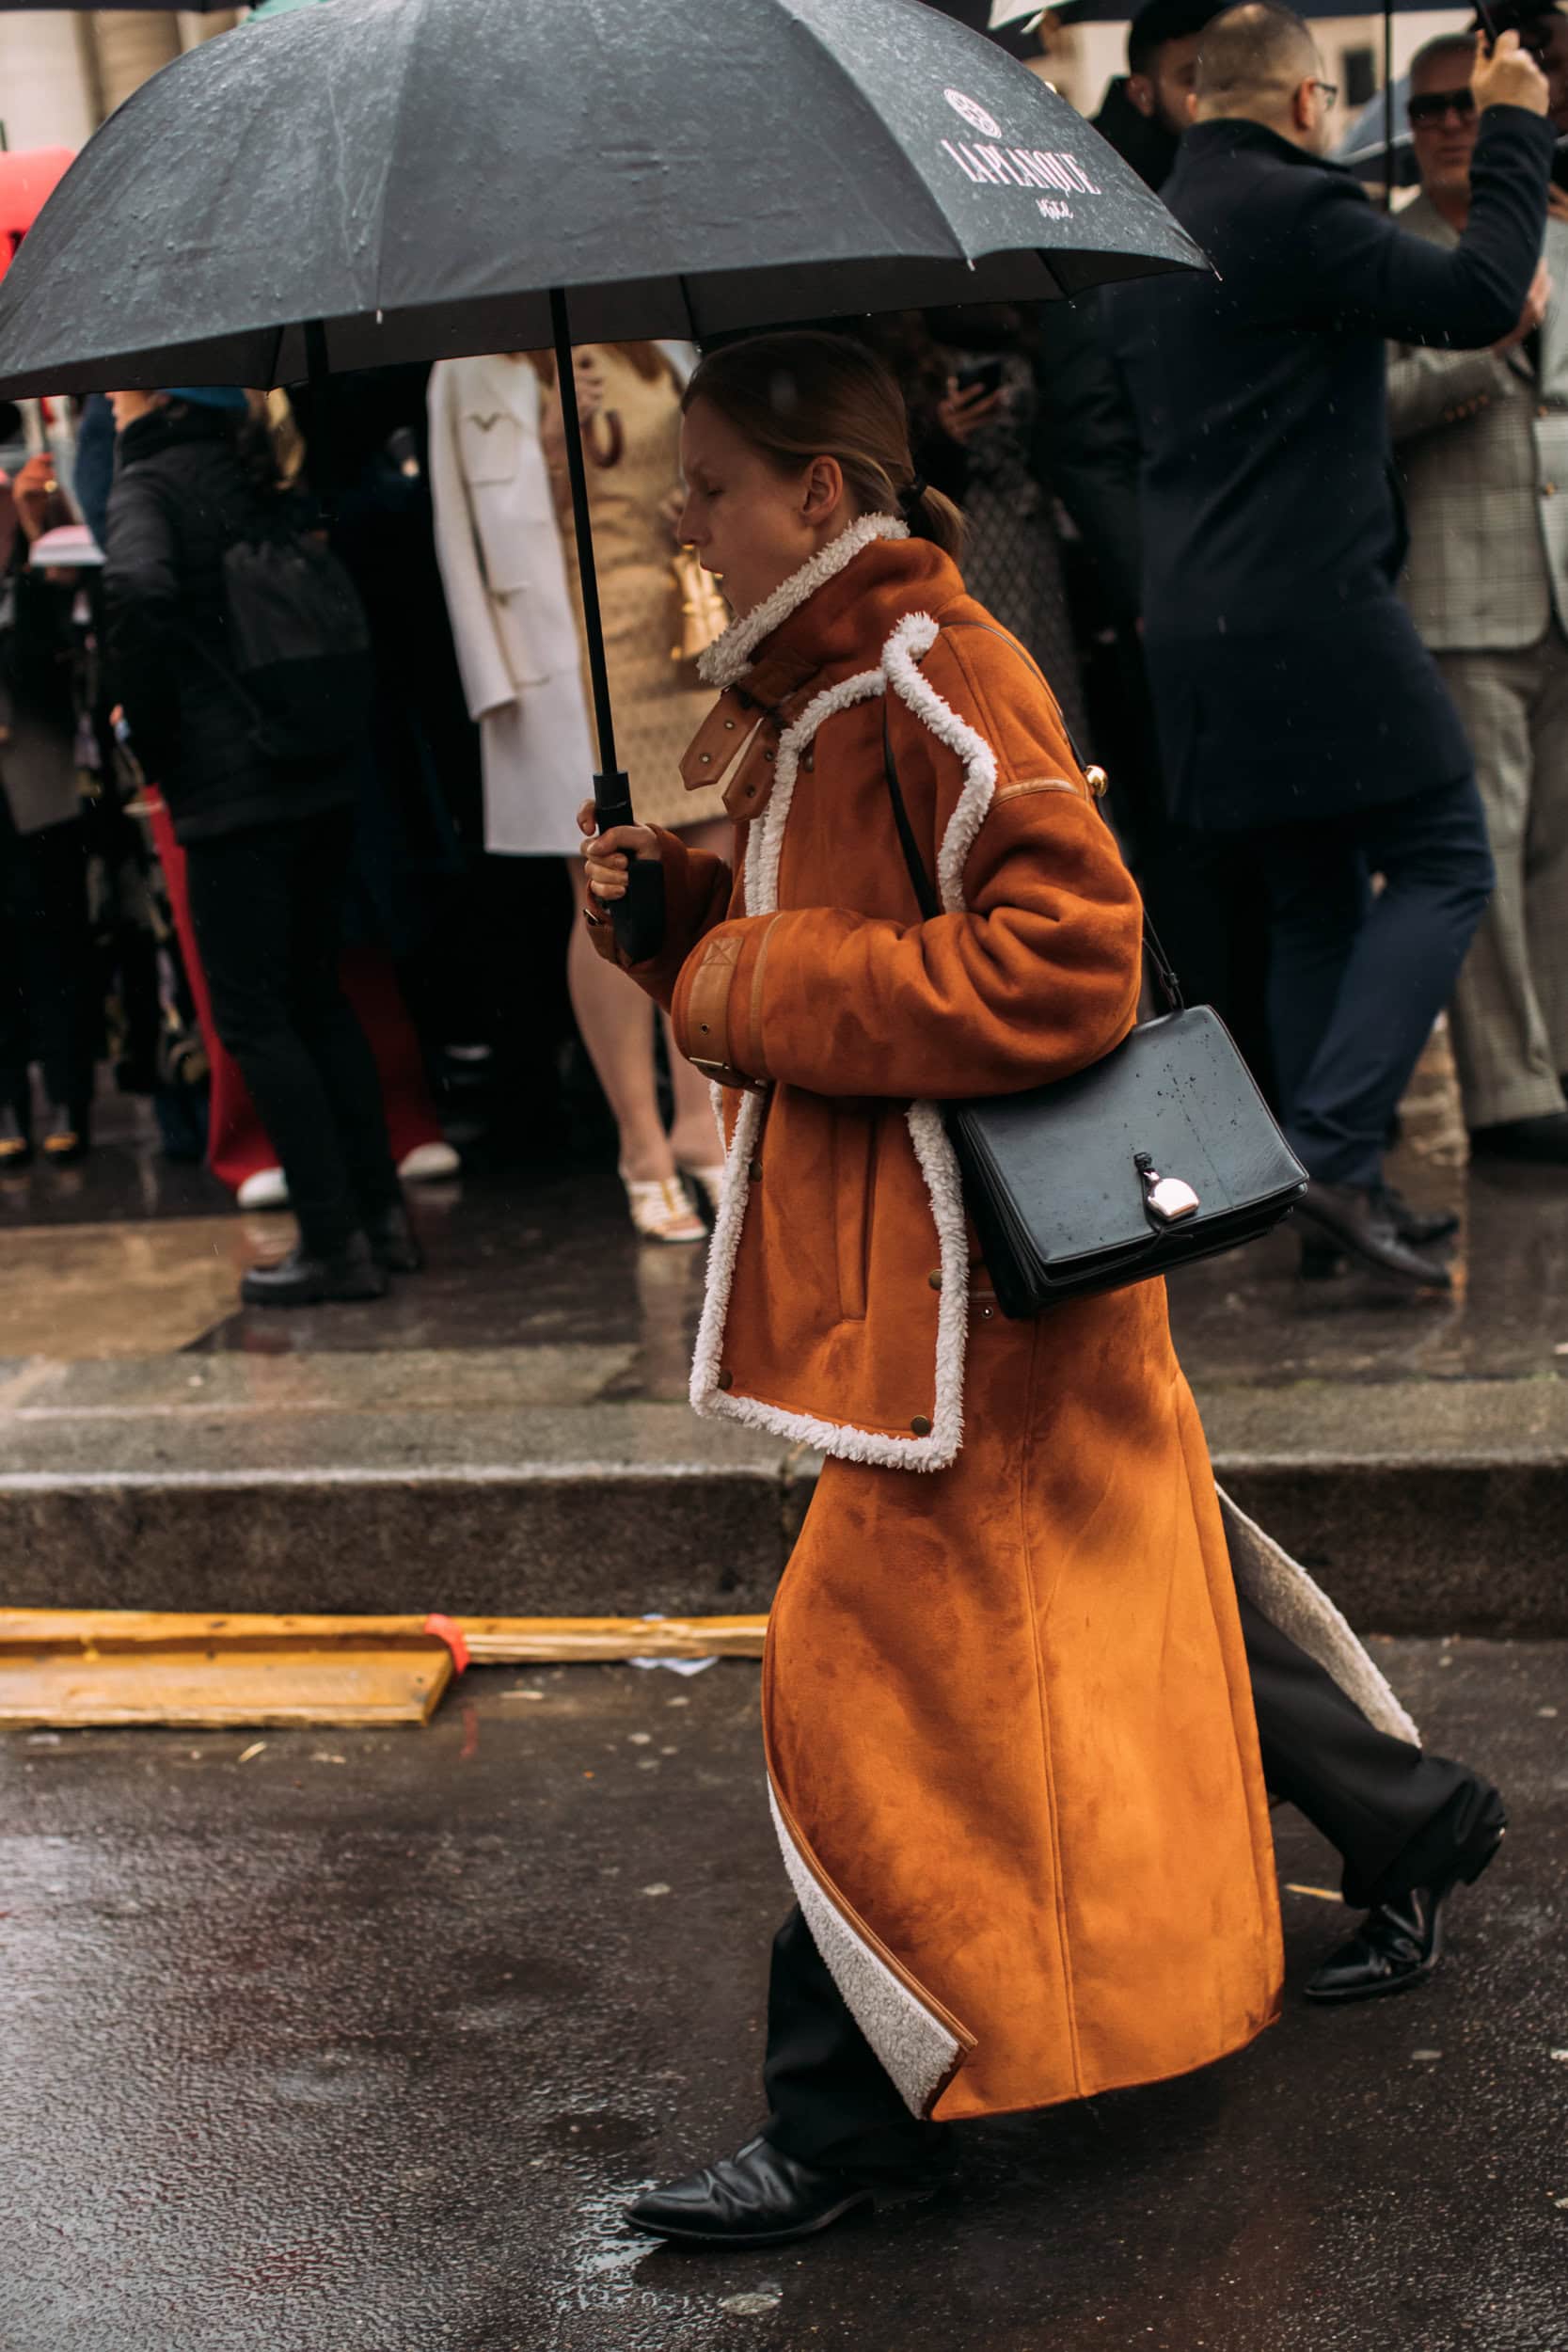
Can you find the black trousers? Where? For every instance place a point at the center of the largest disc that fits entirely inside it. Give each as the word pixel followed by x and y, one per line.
pixel 47 1010
pixel 1357 979
pixel 268 907
pixel 1394 1812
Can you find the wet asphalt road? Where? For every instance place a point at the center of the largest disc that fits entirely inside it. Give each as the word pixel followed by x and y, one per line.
pixel 359 2046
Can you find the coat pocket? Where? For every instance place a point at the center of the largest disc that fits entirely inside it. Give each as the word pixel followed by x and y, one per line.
pixel 491 445
pixel 516 637
pixel 854 1185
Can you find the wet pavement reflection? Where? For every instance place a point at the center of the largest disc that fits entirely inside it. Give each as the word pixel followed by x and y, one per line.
pixel 360 2045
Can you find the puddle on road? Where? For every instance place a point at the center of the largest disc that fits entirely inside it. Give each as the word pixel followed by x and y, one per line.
pixel 634 2278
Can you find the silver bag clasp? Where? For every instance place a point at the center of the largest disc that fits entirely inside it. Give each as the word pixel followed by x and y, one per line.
pixel 1167 1198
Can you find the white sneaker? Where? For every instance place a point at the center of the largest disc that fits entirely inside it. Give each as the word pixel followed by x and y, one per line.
pixel 428 1163
pixel 267 1189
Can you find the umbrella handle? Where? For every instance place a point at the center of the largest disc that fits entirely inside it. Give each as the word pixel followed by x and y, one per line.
pixel 638 919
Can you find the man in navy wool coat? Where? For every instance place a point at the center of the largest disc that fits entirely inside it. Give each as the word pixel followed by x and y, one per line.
pixel 1295 701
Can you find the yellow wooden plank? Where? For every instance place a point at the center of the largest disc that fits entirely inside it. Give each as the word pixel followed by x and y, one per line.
pixel 150 1628
pixel 250 1687
pixel 492 1641
pixel 538 1641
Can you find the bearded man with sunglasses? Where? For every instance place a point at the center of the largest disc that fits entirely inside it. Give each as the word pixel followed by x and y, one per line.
pixel 1482 442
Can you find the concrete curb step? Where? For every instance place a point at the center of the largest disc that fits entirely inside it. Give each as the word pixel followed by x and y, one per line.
pixel 409 1482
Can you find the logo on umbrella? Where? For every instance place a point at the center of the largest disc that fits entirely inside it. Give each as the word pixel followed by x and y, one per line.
pixel 973 114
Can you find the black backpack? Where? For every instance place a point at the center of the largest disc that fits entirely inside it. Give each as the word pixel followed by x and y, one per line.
pixel 296 645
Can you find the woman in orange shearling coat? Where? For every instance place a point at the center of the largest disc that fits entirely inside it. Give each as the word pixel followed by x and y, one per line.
pixel 1009 1741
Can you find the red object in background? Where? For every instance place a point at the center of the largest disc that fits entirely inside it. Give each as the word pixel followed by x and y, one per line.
pixel 237 1144
pixel 27 180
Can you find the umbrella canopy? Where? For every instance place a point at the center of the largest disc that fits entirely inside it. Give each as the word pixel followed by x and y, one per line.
pixel 416 175
pixel 29 177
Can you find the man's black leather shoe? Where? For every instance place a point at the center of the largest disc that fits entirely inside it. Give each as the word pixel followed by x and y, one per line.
pixel 1423 1229
pixel 393 1241
pixel 1401 1941
pixel 302 1280
pixel 761 2196
pixel 1361 1224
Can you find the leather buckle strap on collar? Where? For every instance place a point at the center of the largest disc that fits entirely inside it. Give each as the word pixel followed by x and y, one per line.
pixel 743 732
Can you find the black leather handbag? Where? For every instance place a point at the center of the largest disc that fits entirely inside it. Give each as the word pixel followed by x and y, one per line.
pixel 1160 1154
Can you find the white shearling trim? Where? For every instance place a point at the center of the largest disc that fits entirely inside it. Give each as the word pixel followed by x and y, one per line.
pixel 845 1439
pixel 1282 1589
pixel 940 1167
pixel 914 2046
pixel 726 661
pixel 765 843
pixel 721 1253
pixel 915 635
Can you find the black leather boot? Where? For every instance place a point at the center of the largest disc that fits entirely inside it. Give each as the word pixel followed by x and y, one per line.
pixel 763 2197
pixel 394 1244
pixel 301 1279
pixel 1400 1940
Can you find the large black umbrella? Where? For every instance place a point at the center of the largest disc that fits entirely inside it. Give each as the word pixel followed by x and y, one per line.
pixel 389 180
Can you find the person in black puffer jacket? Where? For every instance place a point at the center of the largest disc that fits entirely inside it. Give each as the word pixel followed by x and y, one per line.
pixel 267 848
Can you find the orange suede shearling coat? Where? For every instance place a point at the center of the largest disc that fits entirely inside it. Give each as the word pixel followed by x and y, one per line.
pixel 1008 1726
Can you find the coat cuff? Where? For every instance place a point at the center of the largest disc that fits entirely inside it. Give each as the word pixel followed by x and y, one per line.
pixel 717 1011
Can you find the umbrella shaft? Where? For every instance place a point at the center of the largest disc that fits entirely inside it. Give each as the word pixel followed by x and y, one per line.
pixel 1388 105
pixel 594 627
pixel 323 445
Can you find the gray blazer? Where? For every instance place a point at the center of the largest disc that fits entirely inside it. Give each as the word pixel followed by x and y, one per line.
pixel 1482 445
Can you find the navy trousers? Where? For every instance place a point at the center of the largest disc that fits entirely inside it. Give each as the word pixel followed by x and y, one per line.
pixel 1357 977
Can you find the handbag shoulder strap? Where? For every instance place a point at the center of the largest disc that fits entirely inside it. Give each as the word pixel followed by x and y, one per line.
pixel 925 892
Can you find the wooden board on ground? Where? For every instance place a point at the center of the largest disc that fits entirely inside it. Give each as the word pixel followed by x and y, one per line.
pixel 542 1641
pixel 84 1666
pixel 491 1640
pixel 256 1686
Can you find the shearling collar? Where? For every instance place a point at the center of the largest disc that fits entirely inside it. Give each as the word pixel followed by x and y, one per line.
pixel 729 656
pixel 839 630
pixel 842 624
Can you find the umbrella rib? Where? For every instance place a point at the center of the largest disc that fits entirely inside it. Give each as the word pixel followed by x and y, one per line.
pixel 390 151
